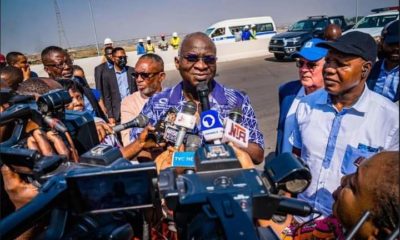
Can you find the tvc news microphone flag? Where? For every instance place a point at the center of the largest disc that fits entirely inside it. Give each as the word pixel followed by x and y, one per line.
pixel 211 126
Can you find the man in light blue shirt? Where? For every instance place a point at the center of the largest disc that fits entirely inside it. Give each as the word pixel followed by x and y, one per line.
pixel 344 122
pixel 384 77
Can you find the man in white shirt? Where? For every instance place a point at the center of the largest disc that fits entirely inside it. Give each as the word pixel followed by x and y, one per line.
pixel 310 61
pixel 345 122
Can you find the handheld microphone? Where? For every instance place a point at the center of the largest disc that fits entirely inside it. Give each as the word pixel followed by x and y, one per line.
pixel 185 119
pixel 211 126
pixel 234 132
pixel 139 122
pixel 202 93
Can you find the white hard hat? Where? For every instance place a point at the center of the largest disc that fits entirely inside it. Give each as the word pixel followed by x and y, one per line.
pixel 148 39
pixel 108 41
pixel 174 34
pixel 246 27
pixel 140 40
pixel 253 25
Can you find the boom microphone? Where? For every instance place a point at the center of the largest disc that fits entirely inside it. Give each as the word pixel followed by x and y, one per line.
pixel 202 93
pixel 139 122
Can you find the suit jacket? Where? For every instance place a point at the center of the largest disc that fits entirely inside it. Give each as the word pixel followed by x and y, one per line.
pixel 98 76
pixel 287 93
pixel 112 96
pixel 373 78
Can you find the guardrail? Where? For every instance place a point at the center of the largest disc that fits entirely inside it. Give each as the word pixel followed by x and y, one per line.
pixel 225 52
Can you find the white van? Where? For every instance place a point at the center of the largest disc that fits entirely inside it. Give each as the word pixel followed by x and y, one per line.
pixel 223 31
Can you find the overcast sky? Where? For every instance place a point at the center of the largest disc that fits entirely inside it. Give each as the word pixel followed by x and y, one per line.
pixel 31 25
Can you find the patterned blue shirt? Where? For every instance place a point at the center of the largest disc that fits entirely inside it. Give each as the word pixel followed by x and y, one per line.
pixel 122 80
pixel 388 82
pixel 222 100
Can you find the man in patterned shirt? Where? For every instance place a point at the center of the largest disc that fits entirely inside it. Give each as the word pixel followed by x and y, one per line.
pixel 196 62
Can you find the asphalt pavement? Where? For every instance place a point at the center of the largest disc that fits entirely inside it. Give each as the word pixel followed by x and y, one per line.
pixel 260 78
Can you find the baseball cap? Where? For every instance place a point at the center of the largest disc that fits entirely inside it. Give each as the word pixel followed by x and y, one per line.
pixel 2 58
pixel 310 51
pixel 390 32
pixel 108 41
pixel 354 43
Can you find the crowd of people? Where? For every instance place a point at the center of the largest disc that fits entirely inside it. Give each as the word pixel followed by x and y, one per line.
pixel 340 117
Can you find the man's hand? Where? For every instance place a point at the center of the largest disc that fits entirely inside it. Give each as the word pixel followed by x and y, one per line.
pixel 26 72
pixel 112 121
pixel 164 160
pixel 103 129
pixel 243 157
pixel 19 191
pixel 42 142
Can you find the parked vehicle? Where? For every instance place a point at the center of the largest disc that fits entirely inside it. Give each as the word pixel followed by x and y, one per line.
pixel 284 44
pixel 374 23
pixel 223 31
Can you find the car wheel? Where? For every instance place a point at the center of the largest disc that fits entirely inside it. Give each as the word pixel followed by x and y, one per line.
pixel 279 56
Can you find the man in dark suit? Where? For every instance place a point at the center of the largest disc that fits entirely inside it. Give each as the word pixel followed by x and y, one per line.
pixel 98 71
pixel 118 83
pixel 310 61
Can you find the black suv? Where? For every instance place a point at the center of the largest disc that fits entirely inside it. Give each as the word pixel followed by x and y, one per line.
pixel 284 44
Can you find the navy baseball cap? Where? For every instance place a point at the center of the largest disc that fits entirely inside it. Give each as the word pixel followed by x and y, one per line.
pixel 354 43
pixel 310 51
pixel 390 33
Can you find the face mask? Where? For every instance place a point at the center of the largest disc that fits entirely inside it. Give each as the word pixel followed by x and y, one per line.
pixel 122 62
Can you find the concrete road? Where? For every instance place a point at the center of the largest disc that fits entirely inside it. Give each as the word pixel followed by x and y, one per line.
pixel 260 78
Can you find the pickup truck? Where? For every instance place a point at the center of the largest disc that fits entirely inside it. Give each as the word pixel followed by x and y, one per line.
pixel 284 44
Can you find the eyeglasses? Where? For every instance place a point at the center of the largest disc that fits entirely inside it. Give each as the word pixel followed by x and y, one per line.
pixel 193 58
pixel 309 65
pixel 61 65
pixel 144 75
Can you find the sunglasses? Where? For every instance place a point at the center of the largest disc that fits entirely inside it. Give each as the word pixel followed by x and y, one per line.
pixel 193 58
pixel 309 65
pixel 61 65
pixel 144 75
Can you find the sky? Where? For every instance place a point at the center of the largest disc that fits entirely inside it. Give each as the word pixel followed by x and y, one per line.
pixel 29 26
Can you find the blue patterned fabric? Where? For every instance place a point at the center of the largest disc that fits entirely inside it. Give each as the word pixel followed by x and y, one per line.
pixel 222 100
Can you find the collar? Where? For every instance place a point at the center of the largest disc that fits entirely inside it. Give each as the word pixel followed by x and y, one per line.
pixel 122 71
pixel 110 65
pixel 360 106
pixel 383 69
pixel 218 93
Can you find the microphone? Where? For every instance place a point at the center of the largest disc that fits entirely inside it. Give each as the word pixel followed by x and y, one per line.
pixel 211 126
pixel 185 119
pixel 202 93
pixel 186 159
pixel 193 142
pixel 139 122
pixel 294 206
pixel 234 132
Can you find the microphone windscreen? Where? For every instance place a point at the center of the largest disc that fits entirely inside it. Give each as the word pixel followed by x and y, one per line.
pixel 193 142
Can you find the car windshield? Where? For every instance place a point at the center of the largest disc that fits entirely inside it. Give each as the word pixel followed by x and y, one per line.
pixel 307 25
pixel 375 21
pixel 208 31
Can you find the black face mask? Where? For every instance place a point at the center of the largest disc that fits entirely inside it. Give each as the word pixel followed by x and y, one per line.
pixel 122 62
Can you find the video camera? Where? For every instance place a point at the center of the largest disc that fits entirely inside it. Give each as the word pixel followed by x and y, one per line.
pixel 47 112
